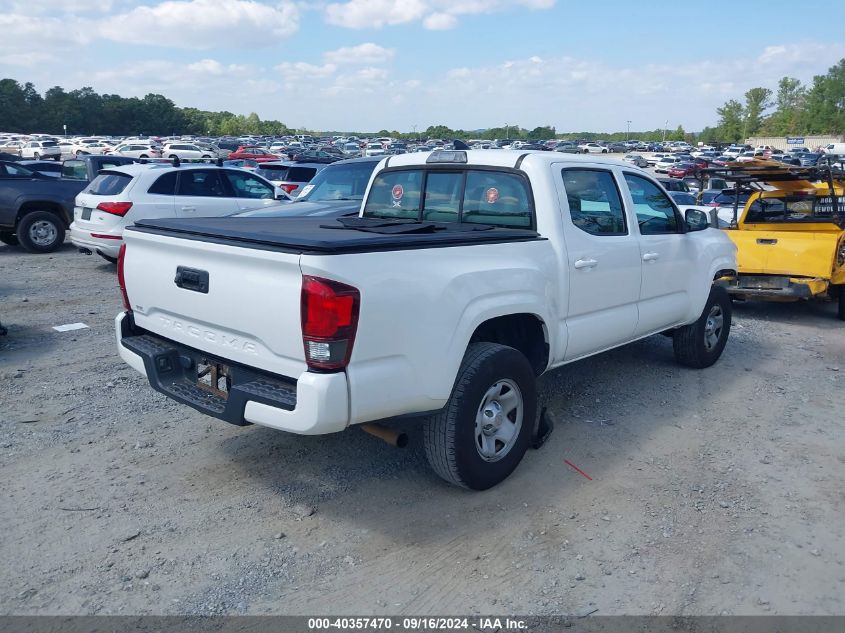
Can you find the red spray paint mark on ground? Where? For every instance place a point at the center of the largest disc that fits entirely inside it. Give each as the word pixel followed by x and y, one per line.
pixel 577 469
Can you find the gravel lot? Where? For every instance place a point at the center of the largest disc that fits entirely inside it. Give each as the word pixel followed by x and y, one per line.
pixel 715 491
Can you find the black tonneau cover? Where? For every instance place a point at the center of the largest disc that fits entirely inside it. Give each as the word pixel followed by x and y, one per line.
pixel 321 236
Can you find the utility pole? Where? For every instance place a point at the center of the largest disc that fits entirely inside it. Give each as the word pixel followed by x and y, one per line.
pixel 628 133
pixel 665 125
pixel 415 131
pixel 507 136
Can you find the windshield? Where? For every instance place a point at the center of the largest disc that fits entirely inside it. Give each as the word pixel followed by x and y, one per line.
pixel 339 182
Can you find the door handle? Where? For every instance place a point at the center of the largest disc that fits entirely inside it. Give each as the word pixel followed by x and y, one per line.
pixel 586 263
pixel 189 209
pixel 767 241
pixel 650 257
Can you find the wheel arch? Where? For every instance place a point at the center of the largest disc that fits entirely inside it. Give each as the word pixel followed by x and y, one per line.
pixel 49 206
pixel 524 331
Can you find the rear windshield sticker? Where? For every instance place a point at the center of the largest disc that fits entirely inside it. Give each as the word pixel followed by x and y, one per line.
pixel 398 192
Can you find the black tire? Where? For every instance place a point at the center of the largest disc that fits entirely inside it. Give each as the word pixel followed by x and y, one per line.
pixel 841 303
pixel 9 238
pixel 29 229
pixel 143 156
pixel 450 435
pixel 110 260
pixel 689 342
pixel 36 156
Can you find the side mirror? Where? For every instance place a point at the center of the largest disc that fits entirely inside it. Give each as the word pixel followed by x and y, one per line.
pixel 696 220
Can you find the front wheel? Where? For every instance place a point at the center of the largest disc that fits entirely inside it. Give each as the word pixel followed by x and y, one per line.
pixel 700 344
pixel 482 433
pixel 841 303
pixel 36 156
pixel 41 232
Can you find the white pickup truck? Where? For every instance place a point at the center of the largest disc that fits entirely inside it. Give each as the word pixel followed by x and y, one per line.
pixel 466 275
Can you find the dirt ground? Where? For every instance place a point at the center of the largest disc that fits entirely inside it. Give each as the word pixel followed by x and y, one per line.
pixel 715 491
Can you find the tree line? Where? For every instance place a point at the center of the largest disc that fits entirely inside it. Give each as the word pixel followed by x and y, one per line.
pixel 85 112
pixel 794 110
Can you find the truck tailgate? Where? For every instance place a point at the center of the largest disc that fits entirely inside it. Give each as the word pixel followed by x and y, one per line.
pixel 794 253
pixel 256 293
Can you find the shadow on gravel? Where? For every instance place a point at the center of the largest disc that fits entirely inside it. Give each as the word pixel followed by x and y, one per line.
pixel 10 251
pixel 355 478
pixel 818 313
pixel 24 343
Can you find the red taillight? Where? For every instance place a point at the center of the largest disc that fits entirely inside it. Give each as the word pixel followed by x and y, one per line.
pixel 329 311
pixel 289 188
pixel 121 279
pixel 115 208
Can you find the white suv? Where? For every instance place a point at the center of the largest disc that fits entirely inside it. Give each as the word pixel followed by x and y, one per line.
pixel 186 150
pixel 137 150
pixel 41 149
pixel 120 195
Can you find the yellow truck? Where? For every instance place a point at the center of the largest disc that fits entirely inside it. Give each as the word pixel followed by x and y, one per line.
pixel 790 234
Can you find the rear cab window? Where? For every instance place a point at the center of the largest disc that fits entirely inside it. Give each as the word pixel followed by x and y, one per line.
pixel 74 170
pixel 109 183
pixel 476 196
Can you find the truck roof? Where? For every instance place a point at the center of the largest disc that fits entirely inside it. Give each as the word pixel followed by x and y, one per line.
pixel 500 158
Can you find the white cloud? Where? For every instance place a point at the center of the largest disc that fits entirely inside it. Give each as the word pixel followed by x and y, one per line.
pixel 367 53
pixel 435 14
pixel 20 31
pixel 440 21
pixel 203 24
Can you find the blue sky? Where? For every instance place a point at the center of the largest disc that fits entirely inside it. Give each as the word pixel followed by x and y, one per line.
pixel 373 64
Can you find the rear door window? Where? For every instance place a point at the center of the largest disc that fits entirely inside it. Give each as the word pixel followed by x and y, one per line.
pixel 595 205
pixel 204 183
pixel 109 183
pixel 165 185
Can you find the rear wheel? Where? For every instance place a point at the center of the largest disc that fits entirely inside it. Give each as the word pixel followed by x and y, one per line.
pixel 36 156
pixel 143 156
pixel 8 237
pixel 41 232
pixel 481 435
pixel 700 344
